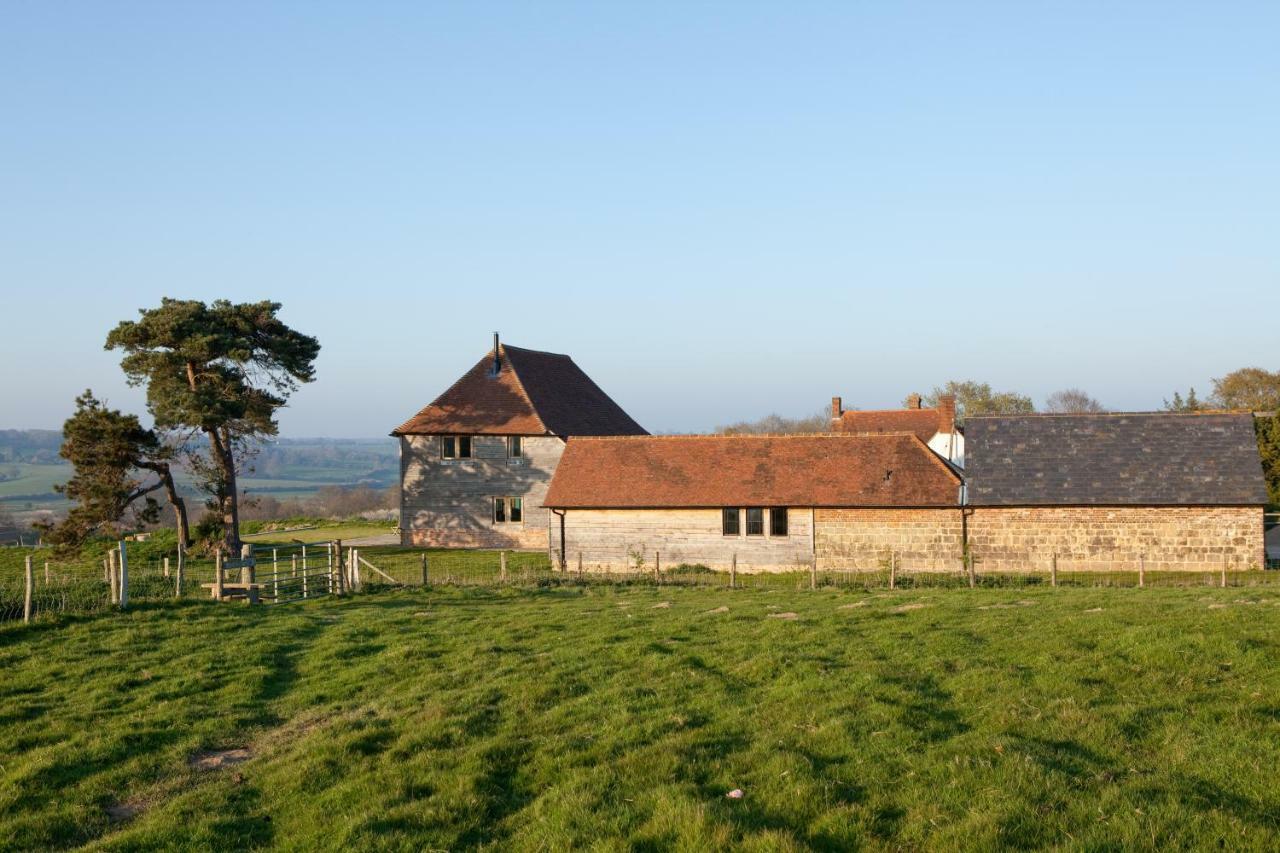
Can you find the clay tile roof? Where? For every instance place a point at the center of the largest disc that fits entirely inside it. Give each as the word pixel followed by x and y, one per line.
pixel 921 422
pixel 752 470
pixel 1151 459
pixel 534 393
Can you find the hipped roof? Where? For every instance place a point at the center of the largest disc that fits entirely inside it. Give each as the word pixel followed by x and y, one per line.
pixel 533 393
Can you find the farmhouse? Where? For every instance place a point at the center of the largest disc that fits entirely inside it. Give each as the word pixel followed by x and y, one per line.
pixel 770 502
pixel 1113 491
pixel 475 463
pixel 936 427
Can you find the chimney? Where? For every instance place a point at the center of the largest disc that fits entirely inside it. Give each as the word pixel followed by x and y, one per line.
pixel 497 357
pixel 947 413
pixel 836 408
pixel 913 401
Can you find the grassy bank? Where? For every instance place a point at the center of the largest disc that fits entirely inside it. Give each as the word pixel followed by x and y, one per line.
pixel 545 719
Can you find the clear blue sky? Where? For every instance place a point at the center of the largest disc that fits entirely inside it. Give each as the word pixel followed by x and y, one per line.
pixel 720 210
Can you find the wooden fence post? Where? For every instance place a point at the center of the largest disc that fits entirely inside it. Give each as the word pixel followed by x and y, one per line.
pixel 1224 572
pixel 657 567
pixel 335 556
pixel 579 564
pixel 112 577
pixel 48 575
pixel 733 571
pixel 813 573
pixel 1142 570
pixel 177 580
pixel 293 561
pixel 217 574
pixel 30 579
pixel 502 566
pixel 124 575
pixel 893 570
pixel 1053 572
pixel 166 567
pixel 424 568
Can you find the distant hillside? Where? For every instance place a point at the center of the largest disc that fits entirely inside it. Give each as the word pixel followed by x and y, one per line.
pixel 30 445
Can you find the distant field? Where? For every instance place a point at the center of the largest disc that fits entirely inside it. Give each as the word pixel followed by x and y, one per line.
pixel 615 718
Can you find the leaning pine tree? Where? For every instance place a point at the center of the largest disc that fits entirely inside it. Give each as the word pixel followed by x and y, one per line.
pixel 219 371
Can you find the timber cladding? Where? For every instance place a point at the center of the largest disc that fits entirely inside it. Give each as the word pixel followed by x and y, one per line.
pixel 1161 538
pixel 627 539
pixel 448 503
pixel 864 539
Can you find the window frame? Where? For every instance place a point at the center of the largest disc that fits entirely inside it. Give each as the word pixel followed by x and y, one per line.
pixel 508 509
pixel 455 444
pixel 515 447
pixel 736 514
pixel 750 510
pixel 775 513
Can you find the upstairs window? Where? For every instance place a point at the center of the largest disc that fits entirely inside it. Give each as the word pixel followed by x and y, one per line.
pixel 778 521
pixel 508 510
pixel 455 447
pixel 515 446
pixel 755 521
pixel 729 522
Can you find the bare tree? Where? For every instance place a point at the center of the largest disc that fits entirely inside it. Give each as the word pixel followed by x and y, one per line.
pixel 1072 401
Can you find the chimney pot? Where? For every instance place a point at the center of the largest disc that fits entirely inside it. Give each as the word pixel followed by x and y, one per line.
pixel 836 408
pixel 947 413
pixel 497 357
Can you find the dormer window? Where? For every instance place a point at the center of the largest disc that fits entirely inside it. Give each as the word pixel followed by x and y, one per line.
pixel 455 447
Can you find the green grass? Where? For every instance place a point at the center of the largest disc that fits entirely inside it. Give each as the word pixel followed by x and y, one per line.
pixel 326 533
pixel 619 717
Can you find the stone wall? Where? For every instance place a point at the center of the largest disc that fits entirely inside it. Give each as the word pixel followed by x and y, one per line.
pixel 449 502
pixel 863 539
pixel 612 539
pixel 1119 538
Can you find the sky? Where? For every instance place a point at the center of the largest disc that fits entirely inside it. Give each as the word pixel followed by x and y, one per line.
pixel 720 210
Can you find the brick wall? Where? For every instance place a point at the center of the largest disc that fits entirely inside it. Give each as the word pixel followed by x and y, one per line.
pixel 1102 538
pixel 860 539
pixel 449 502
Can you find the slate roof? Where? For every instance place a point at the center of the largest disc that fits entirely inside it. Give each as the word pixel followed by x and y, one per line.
pixel 1151 459
pixel 752 470
pixel 533 393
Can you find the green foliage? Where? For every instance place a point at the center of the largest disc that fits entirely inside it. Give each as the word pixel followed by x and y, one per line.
pixel 977 398
pixel 220 369
pixel 1268 431
pixel 577 717
pixel 1190 404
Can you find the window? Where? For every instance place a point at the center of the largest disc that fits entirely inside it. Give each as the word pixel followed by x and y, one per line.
pixel 508 510
pixel 729 522
pixel 515 447
pixel 455 446
pixel 778 521
pixel 755 521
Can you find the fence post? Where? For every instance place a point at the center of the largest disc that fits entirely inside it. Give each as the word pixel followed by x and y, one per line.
pixel 48 576
pixel 111 576
pixel 424 568
pixel 335 556
pixel 1142 570
pixel 973 575
pixel 579 564
pixel 657 567
pixel 1053 572
pixel 733 571
pixel 166 567
pixel 893 570
pixel 217 574
pixel 30 579
pixel 124 575
pixel 813 573
pixel 502 566
pixel 328 556
pixel 1224 572
pixel 177 581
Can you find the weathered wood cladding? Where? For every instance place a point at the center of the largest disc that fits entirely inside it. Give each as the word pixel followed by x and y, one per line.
pixel 449 502
pixel 618 539
pixel 1117 538
pixel 864 539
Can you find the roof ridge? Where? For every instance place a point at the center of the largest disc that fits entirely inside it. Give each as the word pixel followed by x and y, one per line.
pixel 844 412
pixel 524 393
pixel 505 346
pixel 1199 413
pixel 705 435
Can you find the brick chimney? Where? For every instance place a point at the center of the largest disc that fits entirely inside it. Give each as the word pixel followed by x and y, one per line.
pixel 836 408
pixel 913 401
pixel 947 413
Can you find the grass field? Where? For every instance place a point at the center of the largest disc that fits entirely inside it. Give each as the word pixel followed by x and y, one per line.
pixel 620 717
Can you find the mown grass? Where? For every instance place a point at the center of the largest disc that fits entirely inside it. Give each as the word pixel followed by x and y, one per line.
pixel 619 717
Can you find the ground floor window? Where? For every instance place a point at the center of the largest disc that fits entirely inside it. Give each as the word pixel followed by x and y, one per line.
pixel 778 521
pixel 508 510
pixel 755 521
pixel 729 522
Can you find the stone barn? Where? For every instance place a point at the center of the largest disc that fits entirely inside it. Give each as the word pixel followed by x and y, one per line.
pixel 773 502
pixel 1102 491
pixel 476 462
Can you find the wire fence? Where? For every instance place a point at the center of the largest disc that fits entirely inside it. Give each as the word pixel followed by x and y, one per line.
pixel 35 581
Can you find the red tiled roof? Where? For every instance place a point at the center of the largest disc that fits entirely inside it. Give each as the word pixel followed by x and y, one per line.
pixel 534 393
pixel 921 422
pixel 752 470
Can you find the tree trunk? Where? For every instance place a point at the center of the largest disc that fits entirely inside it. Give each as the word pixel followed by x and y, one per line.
pixel 222 453
pixel 163 471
